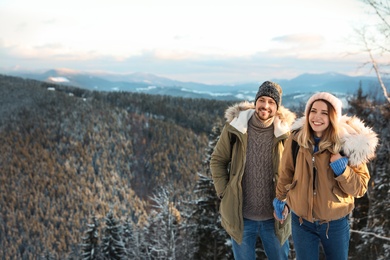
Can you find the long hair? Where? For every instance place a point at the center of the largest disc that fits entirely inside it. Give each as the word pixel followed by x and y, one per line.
pixel 330 139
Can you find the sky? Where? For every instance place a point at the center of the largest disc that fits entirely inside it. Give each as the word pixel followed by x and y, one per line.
pixel 207 41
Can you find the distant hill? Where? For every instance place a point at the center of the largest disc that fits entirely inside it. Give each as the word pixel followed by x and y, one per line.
pixel 68 152
pixel 152 84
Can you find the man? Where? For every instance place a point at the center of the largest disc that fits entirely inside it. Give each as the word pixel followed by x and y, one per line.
pixel 252 142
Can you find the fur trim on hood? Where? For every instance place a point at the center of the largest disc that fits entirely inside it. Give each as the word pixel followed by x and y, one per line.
pixel 284 114
pixel 283 119
pixel 359 141
pixel 233 111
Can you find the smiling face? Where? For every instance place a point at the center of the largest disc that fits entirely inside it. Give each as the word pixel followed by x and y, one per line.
pixel 319 117
pixel 265 108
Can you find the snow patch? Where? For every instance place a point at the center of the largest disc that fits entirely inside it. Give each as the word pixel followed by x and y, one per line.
pixel 146 89
pixel 58 79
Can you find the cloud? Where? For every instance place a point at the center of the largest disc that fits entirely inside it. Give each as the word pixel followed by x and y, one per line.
pixel 307 46
pixel 286 60
pixel 312 40
pixel 50 47
pixel 50 21
pixel 21 27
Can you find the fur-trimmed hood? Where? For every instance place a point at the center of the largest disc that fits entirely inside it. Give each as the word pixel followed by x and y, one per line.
pixel 234 110
pixel 239 114
pixel 359 141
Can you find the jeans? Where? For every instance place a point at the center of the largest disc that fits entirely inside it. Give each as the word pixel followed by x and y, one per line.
pixel 266 230
pixel 334 237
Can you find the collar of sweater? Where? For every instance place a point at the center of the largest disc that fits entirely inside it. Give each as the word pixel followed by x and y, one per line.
pixel 258 123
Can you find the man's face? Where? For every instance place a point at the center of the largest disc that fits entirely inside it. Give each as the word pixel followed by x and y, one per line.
pixel 265 107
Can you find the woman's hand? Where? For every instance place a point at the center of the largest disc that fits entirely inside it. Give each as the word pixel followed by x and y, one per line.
pixel 338 163
pixel 280 210
pixel 284 215
pixel 334 157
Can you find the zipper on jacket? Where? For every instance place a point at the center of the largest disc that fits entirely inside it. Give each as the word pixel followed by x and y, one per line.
pixel 314 177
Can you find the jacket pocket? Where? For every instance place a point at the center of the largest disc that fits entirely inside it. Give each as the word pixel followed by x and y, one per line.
pixel 340 195
pixel 291 186
pixel 283 231
pixel 229 207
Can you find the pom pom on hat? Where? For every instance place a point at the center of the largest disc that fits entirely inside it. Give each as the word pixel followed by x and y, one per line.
pixel 270 89
pixel 334 101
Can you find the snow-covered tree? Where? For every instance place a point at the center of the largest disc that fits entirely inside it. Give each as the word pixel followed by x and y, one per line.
pixel 90 244
pixel 134 241
pixel 163 229
pixel 370 223
pixel 212 242
pixel 113 246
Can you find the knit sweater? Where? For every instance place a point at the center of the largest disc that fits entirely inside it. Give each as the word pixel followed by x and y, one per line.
pixel 257 182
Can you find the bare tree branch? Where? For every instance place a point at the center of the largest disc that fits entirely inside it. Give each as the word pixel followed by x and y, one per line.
pixel 371 234
pixel 378 75
pixel 371 46
pixel 380 10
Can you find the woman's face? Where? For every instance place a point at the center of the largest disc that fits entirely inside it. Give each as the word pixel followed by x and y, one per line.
pixel 319 117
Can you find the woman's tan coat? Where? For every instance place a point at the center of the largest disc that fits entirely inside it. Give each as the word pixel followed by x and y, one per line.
pixel 328 197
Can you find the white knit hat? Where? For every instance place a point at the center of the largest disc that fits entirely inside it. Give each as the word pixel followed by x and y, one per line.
pixel 334 101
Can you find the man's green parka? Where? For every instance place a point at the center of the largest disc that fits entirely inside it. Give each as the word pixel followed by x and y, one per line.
pixel 228 182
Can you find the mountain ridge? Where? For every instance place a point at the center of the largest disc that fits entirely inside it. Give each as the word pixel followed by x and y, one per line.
pixel 152 84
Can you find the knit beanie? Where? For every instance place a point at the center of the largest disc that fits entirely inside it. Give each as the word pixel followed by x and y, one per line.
pixel 272 90
pixel 334 101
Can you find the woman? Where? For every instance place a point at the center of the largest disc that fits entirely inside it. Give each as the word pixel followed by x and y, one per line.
pixel 320 184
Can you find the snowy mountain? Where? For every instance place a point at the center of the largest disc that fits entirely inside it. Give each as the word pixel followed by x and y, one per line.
pixel 336 83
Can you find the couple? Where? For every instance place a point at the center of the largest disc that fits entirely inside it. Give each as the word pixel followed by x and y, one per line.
pixel 271 191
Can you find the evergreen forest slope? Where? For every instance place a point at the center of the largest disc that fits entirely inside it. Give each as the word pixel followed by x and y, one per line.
pixel 68 153
pixel 72 158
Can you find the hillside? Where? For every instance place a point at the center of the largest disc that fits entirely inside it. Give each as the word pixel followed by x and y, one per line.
pixel 65 156
pixel 71 157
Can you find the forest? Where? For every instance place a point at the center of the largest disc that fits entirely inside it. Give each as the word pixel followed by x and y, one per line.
pixel 120 175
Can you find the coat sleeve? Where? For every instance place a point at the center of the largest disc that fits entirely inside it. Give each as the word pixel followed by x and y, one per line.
pixel 354 180
pixel 286 170
pixel 219 162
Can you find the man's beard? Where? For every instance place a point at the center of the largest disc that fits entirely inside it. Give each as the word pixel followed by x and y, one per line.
pixel 260 114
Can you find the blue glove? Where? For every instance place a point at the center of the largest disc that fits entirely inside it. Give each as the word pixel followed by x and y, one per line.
pixel 339 165
pixel 279 207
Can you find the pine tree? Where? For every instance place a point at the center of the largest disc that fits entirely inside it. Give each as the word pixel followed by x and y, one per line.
pixel 212 240
pixel 113 247
pixel 47 255
pixel 370 222
pixel 90 245
pixel 133 240
pixel 359 104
